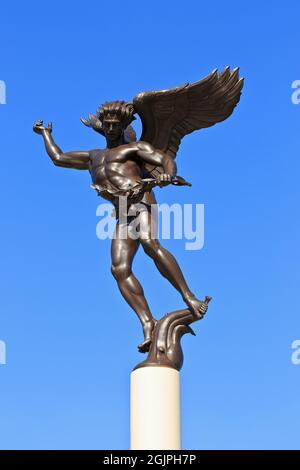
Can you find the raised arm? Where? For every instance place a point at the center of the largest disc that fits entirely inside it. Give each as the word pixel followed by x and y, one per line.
pixel 78 160
pixel 149 154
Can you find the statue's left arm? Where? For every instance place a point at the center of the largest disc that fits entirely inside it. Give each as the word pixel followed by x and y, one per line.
pixel 148 154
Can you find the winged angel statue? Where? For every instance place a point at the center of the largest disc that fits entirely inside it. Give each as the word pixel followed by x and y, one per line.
pixel 128 169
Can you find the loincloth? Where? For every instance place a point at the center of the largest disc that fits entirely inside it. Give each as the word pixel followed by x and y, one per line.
pixel 128 201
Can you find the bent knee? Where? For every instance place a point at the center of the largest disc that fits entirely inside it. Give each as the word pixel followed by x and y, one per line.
pixel 120 271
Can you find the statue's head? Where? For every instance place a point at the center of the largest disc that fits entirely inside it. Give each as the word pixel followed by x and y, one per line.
pixel 111 119
pixel 115 116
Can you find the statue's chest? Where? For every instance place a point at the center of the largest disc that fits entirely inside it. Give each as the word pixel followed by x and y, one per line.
pixel 109 163
pixel 116 155
pixel 97 169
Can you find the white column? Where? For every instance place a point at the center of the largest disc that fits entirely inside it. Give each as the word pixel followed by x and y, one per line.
pixel 155 409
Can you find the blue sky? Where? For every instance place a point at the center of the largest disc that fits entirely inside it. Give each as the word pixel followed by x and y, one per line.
pixel 71 339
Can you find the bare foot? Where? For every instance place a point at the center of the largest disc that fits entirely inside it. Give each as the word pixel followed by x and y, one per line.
pixel 197 307
pixel 148 328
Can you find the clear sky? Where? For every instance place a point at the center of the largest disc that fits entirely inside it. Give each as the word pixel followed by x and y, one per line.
pixel 70 338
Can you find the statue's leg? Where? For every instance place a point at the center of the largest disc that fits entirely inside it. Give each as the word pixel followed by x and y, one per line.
pixel 167 264
pixel 122 252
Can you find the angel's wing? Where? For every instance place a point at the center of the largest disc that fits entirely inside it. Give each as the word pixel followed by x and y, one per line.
pixel 168 115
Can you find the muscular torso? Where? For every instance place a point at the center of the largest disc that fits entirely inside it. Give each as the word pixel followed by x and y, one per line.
pixel 117 168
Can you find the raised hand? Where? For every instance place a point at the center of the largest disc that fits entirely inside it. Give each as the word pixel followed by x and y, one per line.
pixel 38 127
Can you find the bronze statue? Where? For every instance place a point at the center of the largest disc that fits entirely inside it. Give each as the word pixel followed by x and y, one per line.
pixel 131 168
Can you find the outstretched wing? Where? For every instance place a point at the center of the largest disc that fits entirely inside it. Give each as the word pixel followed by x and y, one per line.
pixel 168 115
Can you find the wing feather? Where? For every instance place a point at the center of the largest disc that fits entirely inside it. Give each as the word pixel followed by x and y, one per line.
pixel 168 115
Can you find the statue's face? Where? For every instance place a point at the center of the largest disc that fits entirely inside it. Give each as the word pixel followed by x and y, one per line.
pixel 112 127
